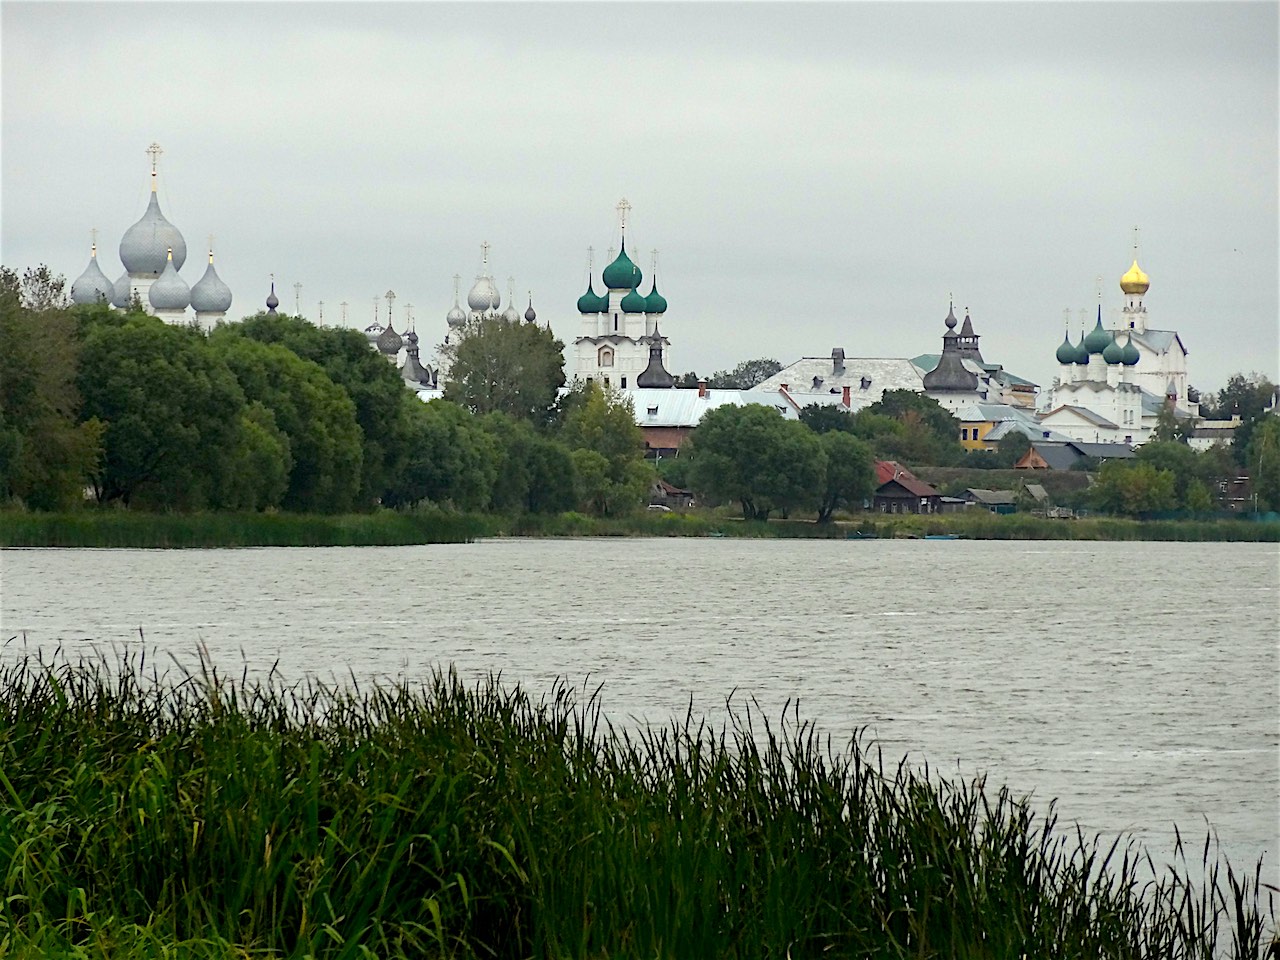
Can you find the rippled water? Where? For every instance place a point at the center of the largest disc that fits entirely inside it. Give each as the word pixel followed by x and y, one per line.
pixel 1135 682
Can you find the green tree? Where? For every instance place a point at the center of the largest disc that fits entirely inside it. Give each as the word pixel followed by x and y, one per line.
pixel 46 456
pixel 256 469
pixel 747 374
pixel 171 410
pixel 930 435
pixel 823 418
pixel 750 454
pixel 381 400
pixel 515 368
pixel 317 416
pixel 1133 489
pixel 1177 458
pixel 535 473
pixel 1262 461
pixel 37 289
pixel 451 459
pixel 850 473
pixel 604 422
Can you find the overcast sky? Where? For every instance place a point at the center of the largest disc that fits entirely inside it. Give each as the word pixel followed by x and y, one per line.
pixel 814 175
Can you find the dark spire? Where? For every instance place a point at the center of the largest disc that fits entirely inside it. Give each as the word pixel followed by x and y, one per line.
pixel 272 300
pixel 655 374
pixel 950 373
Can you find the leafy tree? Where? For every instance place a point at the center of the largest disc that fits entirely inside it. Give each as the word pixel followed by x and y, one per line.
pixel 257 466
pixel 930 434
pixel 604 422
pixel 687 381
pixel 745 375
pixel 1197 498
pixel 1177 458
pixel 37 289
pixel 451 459
pixel 316 415
pixel 374 386
pixel 1262 461
pixel 171 410
pixel 1134 489
pixel 750 454
pixel 850 473
pixel 1170 427
pixel 823 418
pixel 535 473
pixel 515 368
pixel 46 456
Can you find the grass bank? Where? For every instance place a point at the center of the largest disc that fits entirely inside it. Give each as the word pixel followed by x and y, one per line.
pixel 143 815
pixel 121 528
pixel 127 528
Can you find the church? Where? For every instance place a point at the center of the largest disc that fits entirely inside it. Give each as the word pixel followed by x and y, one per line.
pixel 1113 384
pixel 619 343
pixel 153 251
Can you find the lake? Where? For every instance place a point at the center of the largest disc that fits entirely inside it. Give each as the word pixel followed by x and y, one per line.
pixel 1135 682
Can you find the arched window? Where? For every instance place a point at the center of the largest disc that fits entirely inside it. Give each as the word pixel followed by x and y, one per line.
pixel 606 357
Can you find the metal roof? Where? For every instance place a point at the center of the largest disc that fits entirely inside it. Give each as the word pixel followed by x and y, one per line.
pixel 867 377
pixel 669 407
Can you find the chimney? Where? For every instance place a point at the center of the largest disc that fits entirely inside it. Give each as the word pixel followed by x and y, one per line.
pixel 786 386
pixel 702 386
pixel 844 396
pixel 837 359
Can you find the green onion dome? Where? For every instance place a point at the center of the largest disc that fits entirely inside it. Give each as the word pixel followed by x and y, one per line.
pixel 1066 352
pixel 655 302
pixel 1113 353
pixel 1097 339
pixel 1082 352
pixel 633 302
pixel 622 274
pixel 589 302
pixel 1131 355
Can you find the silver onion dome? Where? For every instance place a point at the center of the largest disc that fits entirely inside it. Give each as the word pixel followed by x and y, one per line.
pixel 455 317
pixel 92 286
pixel 389 342
pixel 123 294
pixel 210 294
pixel 483 295
pixel 144 247
pixel 511 314
pixel 170 291
pixel 530 314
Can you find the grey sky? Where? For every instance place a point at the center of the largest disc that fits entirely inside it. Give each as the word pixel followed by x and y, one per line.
pixel 813 174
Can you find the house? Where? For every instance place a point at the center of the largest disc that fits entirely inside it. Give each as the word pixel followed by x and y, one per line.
pixel 668 495
pixel 997 501
pixel 983 425
pixel 898 490
pixel 1049 455
pixel 667 417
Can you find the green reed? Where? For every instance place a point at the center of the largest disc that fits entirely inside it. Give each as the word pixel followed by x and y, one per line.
pixel 125 528
pixel 149 812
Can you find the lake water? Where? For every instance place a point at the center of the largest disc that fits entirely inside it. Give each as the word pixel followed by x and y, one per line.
pixel 1135 682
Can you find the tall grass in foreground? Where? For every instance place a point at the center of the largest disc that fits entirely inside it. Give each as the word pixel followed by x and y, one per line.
pixel 144 814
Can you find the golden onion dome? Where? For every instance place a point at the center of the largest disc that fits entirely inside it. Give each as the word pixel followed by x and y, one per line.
pixel 1135 281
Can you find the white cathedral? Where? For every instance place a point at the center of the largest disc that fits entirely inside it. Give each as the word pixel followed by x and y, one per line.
pixel 1113 384
pixel 153 252
pixel 620 344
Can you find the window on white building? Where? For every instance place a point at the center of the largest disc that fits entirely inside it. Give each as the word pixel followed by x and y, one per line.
pixel 605 358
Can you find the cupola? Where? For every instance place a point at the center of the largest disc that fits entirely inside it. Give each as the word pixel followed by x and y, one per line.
pixel 1131 355
pixel 170 291
pixel 1113 353
pixel 92 286
pixel 1097 339
pixel 633 302
pixel 622 274
pixel 589 302
pixel 146 245
pixel 210 294
pixel 1134 282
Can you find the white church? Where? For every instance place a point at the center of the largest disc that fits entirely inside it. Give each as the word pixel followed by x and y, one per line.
pixel 1112 385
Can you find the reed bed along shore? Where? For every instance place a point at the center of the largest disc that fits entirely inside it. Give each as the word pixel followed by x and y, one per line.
pixel 126 528
pixel 146 813
pixel 122 528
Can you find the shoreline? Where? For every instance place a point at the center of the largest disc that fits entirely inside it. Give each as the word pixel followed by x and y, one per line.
pixel 125 530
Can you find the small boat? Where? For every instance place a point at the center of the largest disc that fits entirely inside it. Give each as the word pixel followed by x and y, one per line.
pixel 942 536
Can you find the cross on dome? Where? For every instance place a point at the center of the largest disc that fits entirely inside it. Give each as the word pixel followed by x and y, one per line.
pixel 623 209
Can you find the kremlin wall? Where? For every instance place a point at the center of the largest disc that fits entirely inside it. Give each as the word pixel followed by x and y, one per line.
pixel 1111 386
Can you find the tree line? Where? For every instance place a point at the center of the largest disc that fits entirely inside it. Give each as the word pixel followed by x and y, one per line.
pixel 276 413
